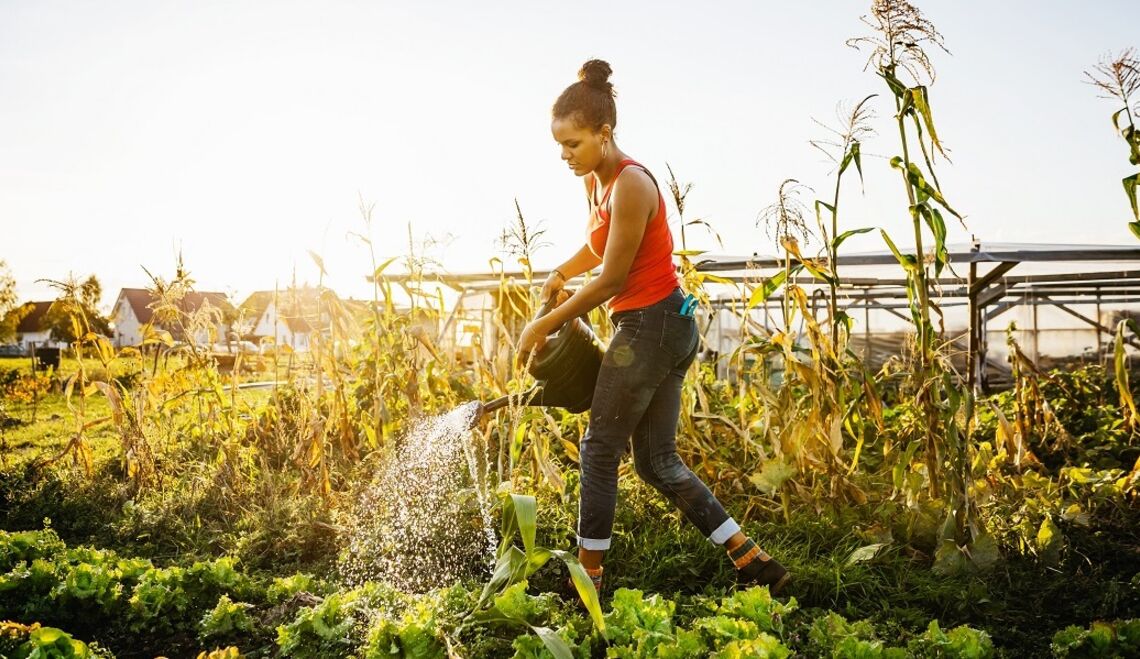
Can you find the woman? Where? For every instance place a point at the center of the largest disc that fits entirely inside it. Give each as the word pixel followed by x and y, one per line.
pixel 638 393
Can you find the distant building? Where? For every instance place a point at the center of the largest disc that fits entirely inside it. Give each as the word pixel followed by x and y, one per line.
pixel 32 329
pixel 135 310
pixel 289 317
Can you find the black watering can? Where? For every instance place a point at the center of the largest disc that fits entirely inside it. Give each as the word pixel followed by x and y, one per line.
pixel 566 368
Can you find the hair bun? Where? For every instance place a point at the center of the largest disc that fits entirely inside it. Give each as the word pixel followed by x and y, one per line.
pixel 596 73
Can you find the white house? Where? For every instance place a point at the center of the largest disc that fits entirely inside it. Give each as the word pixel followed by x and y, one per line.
pixel 135 309
pixel 289 317
pixel 32 330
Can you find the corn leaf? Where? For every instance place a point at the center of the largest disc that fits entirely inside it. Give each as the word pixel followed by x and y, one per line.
pixel 765 290
pixel 922 106
pixel 839 240
pixel 114 400
pixel 933 219
pixel 319 261
pixel 382 267
pixel 510 567
pixel 907 261
pixel 585 588
pixel 553 642
pixel 1130 185
pixel 819 203
pixel 526 513
pixel 1116 117
pixel 856 156
pixel 717 279
pixel 896 85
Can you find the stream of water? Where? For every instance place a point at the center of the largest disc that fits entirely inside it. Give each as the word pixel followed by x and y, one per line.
pixel 425 520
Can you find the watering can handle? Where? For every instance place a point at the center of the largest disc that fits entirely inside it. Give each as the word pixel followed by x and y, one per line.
pixel 549 305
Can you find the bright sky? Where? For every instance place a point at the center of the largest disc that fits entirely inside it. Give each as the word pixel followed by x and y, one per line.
pixel 242 133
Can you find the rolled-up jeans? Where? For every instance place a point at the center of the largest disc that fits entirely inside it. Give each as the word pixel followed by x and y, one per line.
pixel 638 397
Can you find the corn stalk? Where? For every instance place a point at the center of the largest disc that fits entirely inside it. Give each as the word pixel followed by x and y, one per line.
pixel 1118 78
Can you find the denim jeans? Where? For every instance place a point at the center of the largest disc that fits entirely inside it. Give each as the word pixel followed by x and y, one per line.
pixel 638 396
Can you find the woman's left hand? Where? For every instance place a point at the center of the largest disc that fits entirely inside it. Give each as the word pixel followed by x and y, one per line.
pixel 532 339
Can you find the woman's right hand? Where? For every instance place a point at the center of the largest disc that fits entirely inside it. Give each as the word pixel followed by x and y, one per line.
pixel 552 286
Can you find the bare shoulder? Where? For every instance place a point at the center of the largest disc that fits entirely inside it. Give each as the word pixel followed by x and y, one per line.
pixel 634 183
pixel 634 192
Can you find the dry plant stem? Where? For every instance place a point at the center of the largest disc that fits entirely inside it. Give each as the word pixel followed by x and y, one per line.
pixel 366 216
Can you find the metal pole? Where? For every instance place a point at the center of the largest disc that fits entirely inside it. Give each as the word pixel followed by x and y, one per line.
pixel 866 326
pixel 1098 319
pixel 974 323
pixel 1036 338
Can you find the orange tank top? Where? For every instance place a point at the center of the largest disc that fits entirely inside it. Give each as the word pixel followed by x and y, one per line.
pixel 652 275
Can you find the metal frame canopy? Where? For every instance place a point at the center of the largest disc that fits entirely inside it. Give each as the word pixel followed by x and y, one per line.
pixel 1048 274
pixel 981 277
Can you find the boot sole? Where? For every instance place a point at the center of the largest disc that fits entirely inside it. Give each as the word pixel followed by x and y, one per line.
pixel 779 585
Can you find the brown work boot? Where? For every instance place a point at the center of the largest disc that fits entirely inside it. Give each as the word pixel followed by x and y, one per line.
pixel 755 567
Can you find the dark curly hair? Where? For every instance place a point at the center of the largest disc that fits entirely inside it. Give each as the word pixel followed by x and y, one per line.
pixel 590 101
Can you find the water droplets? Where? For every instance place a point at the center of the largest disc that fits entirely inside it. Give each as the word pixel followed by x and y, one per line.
pixel 425 520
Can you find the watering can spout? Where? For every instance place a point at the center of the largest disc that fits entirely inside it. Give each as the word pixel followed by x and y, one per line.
pixel 532 396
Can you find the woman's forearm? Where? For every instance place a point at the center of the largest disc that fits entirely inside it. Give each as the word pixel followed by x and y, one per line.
pixel 594 293
pixel 583 261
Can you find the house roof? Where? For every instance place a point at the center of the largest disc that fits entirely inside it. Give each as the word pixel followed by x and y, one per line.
pixel 32 316
pixel 256 304
pixel 142 302
pixel 298 306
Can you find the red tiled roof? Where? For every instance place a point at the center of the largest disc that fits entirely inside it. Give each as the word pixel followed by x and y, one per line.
pixel 141 301
pixel 32 316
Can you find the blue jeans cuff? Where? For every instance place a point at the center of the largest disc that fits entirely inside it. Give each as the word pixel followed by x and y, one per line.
pixel 724 532
pixel 594 545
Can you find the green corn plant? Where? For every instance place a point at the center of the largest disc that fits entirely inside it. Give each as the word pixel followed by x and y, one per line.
pixel 1118 78
pixel 900 32
pixel 844 148
pixel 857 398
pixel 513 565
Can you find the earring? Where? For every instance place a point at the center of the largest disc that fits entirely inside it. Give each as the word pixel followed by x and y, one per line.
pixel 605 146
